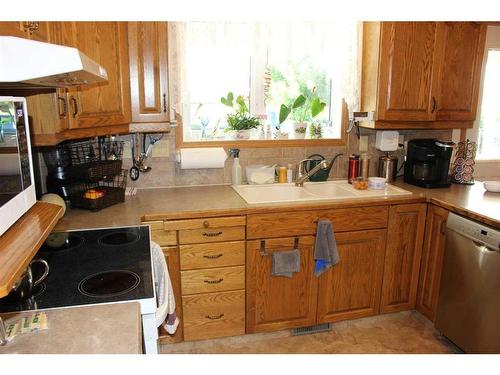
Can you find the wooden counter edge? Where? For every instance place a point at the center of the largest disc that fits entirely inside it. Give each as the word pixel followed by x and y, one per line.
pixel 45 216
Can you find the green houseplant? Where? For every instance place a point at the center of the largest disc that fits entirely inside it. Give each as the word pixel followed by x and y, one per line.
pixel 302 110
pixel 240 122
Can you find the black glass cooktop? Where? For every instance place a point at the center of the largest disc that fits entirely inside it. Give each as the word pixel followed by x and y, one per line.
pixel 92 266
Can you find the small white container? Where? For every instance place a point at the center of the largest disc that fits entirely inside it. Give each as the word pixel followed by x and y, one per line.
pixel 260 174
pixel 493 186
pixel 377 183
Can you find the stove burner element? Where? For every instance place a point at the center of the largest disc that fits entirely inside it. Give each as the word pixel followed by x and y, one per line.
pixel 119 238
pixel 60 241
pixel 109 283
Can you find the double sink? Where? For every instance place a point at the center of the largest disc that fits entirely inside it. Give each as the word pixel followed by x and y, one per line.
pixel 311 191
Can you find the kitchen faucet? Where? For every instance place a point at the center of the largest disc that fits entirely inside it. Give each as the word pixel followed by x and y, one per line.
pixel 301 176
pixel 3 333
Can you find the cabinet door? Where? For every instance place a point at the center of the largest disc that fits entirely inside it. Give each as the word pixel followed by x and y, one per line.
pixel 104 103
pixel 13 28
pixel 173 263
pixel 460 70
pixel 406 69
pixel 405 234
pixel 39 31
pixel 148 71
pixel 49 112
pixel 351 289
pixel 278 302
pixel 432 261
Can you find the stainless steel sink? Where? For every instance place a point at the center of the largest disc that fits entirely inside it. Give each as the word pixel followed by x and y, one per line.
pixel 311 191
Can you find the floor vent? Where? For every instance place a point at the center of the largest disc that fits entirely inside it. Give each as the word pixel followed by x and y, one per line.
pixel 312 329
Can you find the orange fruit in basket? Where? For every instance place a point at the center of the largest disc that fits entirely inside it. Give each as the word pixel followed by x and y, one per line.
pixel 93 194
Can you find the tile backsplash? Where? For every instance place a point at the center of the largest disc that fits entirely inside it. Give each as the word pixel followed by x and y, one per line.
pixel 166 172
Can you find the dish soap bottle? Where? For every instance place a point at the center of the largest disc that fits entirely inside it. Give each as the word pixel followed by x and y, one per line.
pixel 236 169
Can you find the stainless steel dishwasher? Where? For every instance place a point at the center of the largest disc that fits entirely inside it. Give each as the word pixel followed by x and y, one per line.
pixel 468 310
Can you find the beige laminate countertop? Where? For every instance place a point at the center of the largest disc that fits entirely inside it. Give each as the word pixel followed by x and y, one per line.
pixel 98 329
pixel 202 201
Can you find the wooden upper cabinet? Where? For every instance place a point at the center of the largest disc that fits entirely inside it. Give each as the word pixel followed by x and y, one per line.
pixel 107 103
pixel 26 29
pixel 460 63
pixel 432 261
pixel 405 234
pixel 421 74
pixel 278 302
pixel 351 289
pixel 148 59
pixel 407 54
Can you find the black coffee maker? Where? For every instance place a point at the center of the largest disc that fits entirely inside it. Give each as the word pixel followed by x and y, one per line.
pixel 428 162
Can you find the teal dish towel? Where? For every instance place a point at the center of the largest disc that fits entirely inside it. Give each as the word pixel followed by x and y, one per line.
pixel 325 248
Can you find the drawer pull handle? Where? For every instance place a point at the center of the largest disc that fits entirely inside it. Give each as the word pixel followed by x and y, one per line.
pixel 218 281
pixel 213 234
pixel 216 256
pixel 214 317
pixel 206 224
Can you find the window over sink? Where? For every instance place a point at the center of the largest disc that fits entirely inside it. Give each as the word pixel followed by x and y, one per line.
pixel 234 82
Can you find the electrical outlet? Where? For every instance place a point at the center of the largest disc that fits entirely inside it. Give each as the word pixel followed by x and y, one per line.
pixel 363 143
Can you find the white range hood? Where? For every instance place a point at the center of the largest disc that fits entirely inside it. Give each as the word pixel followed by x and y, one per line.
pixel 25 62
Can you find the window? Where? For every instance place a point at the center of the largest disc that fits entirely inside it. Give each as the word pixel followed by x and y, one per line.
pixel 487 126
pixel 489 123
pixel 264 66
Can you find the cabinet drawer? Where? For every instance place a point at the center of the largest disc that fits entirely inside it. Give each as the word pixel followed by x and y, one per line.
pixel 206 223
pixel 212 255
pixel 213 280
pixel 283 224
pixel 211 235
pixel 214 315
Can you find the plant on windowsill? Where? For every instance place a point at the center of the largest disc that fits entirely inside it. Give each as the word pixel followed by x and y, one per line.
pixel 239 122
pixel 303 110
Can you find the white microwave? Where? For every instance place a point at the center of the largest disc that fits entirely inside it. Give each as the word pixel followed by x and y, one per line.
pixel 17 189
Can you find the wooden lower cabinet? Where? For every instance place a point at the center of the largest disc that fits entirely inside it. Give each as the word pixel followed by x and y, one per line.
pixel 432 261
pixel 278 302
pixel 405 234
pixel 351 289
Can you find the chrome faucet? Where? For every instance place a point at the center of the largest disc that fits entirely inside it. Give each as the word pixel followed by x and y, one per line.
pixel 302 176
pixel 3 333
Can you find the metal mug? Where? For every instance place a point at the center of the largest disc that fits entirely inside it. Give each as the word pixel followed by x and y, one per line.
pixel 388 167
pixel 23 288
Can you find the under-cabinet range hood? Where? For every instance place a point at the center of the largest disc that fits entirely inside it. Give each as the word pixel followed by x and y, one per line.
pixel 28 63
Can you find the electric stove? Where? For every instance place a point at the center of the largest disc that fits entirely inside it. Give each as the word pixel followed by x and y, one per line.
pixel 108 265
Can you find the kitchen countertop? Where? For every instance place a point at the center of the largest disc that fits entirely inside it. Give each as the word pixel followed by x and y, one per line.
pixel 204 201
pixel 97 329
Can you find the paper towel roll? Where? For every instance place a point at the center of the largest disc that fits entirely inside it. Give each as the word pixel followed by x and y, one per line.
pixel 201 158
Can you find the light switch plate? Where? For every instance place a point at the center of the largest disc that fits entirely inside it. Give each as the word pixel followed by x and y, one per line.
pixel 363 143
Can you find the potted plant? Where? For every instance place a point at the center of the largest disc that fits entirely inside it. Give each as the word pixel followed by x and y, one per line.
pixel 299 127
pixel 239 122
pixel 302 110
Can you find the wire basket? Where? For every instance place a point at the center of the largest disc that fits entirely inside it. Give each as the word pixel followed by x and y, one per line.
pixel 95 159
pixel 96 195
